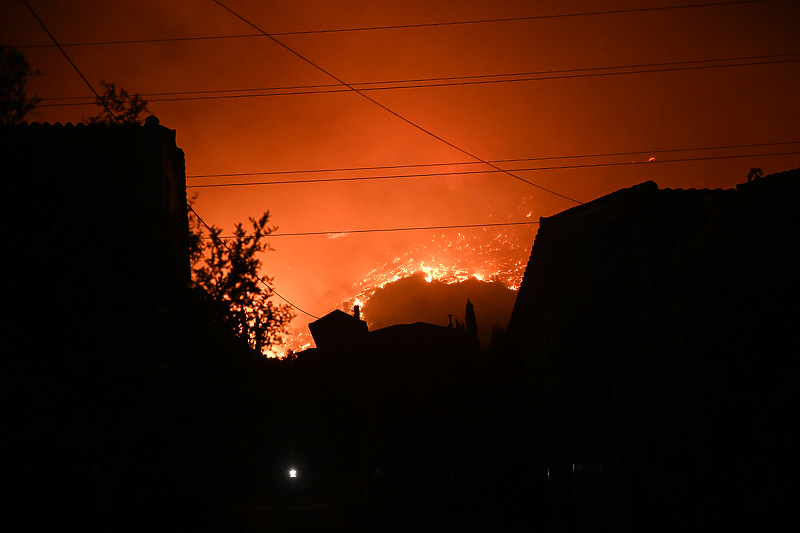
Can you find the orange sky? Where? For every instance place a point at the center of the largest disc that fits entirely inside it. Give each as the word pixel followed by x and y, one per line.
pixel 702 107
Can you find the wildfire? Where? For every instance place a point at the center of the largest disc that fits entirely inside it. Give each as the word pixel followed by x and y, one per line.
pixel 450 258
pixel 497 254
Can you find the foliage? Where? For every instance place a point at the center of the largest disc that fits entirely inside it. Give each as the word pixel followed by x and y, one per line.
pixel 125 107
pixel 14 69
pixel 755 173
pixel 228 274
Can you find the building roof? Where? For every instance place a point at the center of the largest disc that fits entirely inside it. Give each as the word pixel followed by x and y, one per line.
pixel 641 223
pixel 338 330
pixel 104 197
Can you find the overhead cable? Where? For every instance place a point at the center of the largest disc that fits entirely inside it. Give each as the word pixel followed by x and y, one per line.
pixel 497 161
pixel 389 230
pixel 474 172
pixel 388 110
pixel 452 81
pixel 269 287
pixel 70 61
pixel 410 26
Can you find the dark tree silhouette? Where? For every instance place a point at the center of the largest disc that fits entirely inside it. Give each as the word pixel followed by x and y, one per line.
pixel 471 324
pixel 14 71
pixel 227 272
pixel 126 108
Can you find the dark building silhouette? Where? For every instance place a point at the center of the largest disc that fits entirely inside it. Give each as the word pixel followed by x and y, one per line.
pixel 98 204
pixel 655 324
pixel 96 318
pixel 338 331
pixel 96 216
pixel 410 346
pixel 376 405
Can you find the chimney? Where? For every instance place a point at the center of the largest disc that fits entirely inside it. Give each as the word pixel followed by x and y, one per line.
pixel 450 321
pixel 357 311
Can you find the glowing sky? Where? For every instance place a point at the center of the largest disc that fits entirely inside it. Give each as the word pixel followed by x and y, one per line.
pixel 565 115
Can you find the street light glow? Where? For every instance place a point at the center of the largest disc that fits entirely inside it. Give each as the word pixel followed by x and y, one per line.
pixel 292 473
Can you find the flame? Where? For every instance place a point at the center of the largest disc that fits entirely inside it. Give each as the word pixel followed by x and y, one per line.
pixel 496 254
pixel 296 342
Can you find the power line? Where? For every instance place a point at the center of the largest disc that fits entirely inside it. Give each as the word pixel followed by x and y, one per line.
pixel 117 120
pixel 388 110
pixel 473 172
pixel 388 230
pixel 453 81
pixel 70 61
pixel 268 286
pixel 497 161
pixel 410 26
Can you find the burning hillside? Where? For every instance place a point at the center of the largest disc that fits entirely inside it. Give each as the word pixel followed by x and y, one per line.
pixel 483 264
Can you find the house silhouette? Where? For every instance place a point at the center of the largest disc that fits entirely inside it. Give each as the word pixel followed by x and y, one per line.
pixel 374 400
pixel 98 316
pixel 101 201
pixel 654 324
pixel 338 331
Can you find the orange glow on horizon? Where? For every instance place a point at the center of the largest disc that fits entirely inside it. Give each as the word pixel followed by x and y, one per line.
pixel 573 130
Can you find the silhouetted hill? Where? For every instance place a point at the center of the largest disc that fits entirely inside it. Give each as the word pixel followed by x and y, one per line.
pixel 412 299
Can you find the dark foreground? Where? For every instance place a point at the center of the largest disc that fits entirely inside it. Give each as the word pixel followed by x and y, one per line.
pixel 357 517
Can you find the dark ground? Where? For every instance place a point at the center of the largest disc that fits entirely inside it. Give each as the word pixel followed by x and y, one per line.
pixel 357 518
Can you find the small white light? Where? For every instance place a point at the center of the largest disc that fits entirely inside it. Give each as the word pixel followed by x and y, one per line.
pixel 292 473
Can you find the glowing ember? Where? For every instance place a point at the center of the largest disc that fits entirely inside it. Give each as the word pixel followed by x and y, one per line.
pixel 497 254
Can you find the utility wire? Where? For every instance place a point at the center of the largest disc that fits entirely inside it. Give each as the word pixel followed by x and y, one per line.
pixel 388 230
pixel 388 110
pixel 453 81
pixel 473 172
pixel 70 61
pixel 498 161
pixel 117 120
pixel 409 26
pixel 270 289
